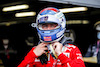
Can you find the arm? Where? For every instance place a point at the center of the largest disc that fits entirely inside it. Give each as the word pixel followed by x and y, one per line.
pixel 34 53
pixel 74 61
pixel 29 59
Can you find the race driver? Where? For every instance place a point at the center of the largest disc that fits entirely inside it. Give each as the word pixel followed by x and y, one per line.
pixel 53 49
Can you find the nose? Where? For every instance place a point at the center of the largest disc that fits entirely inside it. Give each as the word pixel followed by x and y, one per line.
pixel 49 27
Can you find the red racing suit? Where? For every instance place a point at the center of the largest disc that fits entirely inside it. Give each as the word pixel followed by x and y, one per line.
pixel 70 57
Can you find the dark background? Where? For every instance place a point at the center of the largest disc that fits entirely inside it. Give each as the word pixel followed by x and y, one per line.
pixel 18 33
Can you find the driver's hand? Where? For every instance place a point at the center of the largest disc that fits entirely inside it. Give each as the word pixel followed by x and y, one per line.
pixel 57 48
pixel 40 49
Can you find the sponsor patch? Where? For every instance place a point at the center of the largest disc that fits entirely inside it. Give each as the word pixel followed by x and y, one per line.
pixel 48 38
pixel 43 19
pixel 79 56
pixel 67 54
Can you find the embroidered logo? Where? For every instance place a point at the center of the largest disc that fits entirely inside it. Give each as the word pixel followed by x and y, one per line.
pixel 48 38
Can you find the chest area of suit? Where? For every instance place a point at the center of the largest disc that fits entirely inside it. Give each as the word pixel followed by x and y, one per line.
pixel 53 62
pixel 50 63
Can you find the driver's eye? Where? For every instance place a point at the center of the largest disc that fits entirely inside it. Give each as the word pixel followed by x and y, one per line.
pixel 44 26
pixel 49 26
pixel 54 25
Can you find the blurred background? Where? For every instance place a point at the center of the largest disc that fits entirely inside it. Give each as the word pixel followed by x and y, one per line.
pixel 16 17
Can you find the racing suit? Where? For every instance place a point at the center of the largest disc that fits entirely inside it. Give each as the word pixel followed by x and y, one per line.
pixel 70 57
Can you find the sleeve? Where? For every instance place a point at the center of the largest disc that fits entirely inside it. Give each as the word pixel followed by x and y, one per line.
pixel 74 61
pixel 28 60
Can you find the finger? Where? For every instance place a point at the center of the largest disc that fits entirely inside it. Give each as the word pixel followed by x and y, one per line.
pixel 54 46
pixel 40 44
pixel 44 52
pixel 44 44
pixel 45 48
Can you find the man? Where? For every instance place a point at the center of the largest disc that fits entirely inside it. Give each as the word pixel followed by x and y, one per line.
pixel 52 50
pixel 92 56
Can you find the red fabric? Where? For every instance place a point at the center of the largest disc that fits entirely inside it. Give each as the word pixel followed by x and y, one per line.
pixel 71 57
